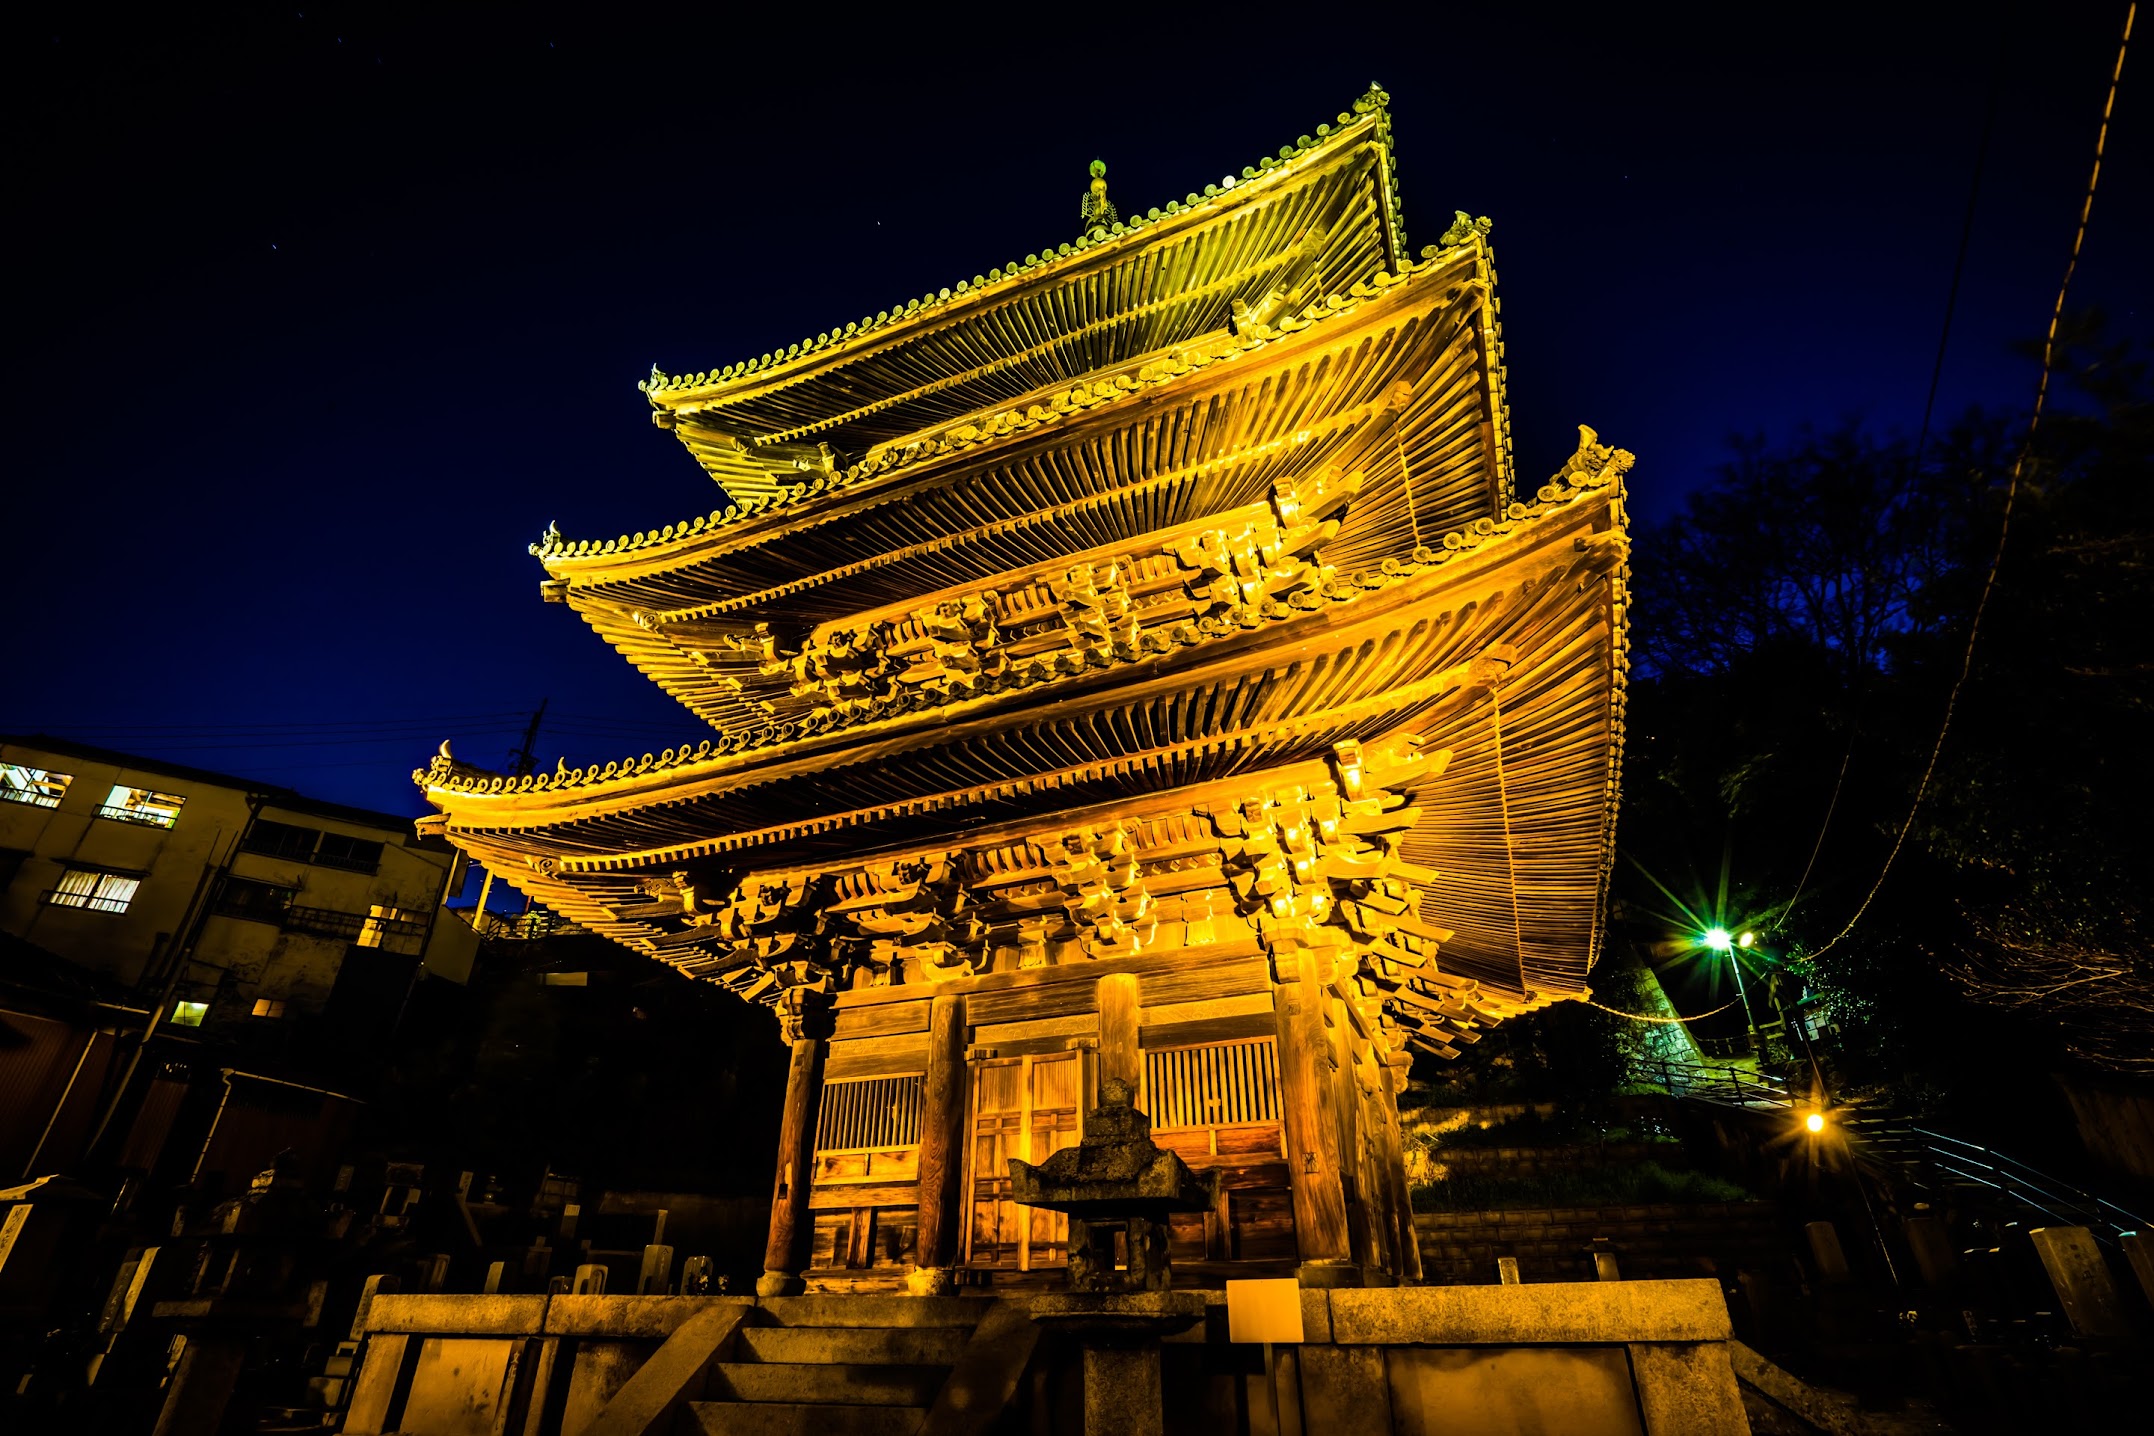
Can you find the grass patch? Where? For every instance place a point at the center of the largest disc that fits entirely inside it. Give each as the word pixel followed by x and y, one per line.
pixel 1594 1185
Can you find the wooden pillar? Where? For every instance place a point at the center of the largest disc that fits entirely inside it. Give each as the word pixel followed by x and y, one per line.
pixel 1364 1240
pixel 942 1150
pixel 1119 1008
pixel 1394 1159
pixel 785 1257
pixel 1312 1149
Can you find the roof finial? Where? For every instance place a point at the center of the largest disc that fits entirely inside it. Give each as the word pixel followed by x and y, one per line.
pixel 1095 209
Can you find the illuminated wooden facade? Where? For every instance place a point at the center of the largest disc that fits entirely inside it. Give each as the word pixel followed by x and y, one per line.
pixel 1136 661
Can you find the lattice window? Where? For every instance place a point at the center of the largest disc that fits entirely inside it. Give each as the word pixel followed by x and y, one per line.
pixel 1220 1084
pixel 869 1114
pixel 97 891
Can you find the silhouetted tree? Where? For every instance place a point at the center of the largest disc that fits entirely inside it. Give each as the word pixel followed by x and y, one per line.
pixel 1800 624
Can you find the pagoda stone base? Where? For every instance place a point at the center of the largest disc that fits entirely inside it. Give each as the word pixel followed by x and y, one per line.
pixel 1645 1357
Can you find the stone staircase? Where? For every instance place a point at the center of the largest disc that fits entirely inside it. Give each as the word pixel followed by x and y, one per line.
pixel 835 1366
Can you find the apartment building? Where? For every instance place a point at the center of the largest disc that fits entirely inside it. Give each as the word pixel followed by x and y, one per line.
pixel 239 922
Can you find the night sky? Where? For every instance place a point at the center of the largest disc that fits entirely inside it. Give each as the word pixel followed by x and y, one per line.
pixel 316 318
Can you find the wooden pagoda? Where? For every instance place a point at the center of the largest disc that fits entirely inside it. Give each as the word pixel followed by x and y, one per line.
pixel 1132 662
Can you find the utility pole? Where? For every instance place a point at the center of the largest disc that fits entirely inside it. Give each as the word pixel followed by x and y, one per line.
pixel 521 762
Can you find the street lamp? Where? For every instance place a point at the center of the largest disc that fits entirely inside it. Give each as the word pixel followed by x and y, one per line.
pixel 1720 940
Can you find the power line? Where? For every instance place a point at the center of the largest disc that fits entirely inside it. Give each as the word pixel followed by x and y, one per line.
pixel 249 744
pixel 2011 493
pixel 1671 1021
pixel 513 716
pixel 1929 403
pixel 1818 846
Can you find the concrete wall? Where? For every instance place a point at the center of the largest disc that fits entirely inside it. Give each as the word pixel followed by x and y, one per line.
pixel 235 960
pixel 243 960
pixel 172 860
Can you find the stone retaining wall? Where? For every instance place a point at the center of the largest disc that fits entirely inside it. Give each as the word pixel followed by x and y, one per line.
pixel 1531 1161
pixel 1555 1244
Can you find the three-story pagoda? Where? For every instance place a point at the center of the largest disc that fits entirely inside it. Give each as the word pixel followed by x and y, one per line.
pixel 1136 662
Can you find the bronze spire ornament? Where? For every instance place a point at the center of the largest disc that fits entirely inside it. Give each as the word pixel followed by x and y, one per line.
pixel 1096 210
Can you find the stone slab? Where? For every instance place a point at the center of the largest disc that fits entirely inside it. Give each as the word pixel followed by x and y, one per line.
pixel 1513 1391
pixel 1544 1312
pixel 444 1315
pixel 674 1374
pixel 985 1378
pixel 865 1310
pixel 1345 1391
pixel 2081 1277
pixel 629 1318
pixel 858 1345
pixel 461 1384
pixel 734 1418
pixel 1688 1389
pixel 825 1382
pixel 1122 1391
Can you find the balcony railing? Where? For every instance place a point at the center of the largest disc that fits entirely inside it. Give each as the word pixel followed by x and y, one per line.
pixel 516 926
pixel 147 817
pixel 91 901
pixel 31 796
pixel 323 921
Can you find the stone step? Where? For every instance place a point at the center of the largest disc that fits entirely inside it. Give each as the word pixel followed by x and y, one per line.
pixel 863 1310
pixel 823 1383
pixel 855 1345
pixel 744 1418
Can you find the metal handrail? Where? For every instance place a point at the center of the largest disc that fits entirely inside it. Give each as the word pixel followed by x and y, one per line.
pixel 53 897
pixel 514 927
pixel 1913 1148
pixel 147 817
pixel 1728 1085
pixel 1974 1165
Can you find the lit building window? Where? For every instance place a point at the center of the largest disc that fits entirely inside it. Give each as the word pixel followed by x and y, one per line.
pixel 390 927
pixel 268 1007
pixel 39 787
pixel 189 1014
pixel 95 890
pixel 140 805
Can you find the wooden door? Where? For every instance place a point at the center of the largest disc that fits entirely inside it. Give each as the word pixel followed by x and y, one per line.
pixel 1028 1108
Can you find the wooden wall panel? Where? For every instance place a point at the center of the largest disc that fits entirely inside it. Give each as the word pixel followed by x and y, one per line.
pixel 1047 1034
pixel 883 1019
pixel 1030 1003
pixel 877 1056
pixel 1189 1024
pixel 1202 984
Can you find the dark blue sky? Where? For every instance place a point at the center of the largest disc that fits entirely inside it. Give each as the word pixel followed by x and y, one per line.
pixel 317 318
